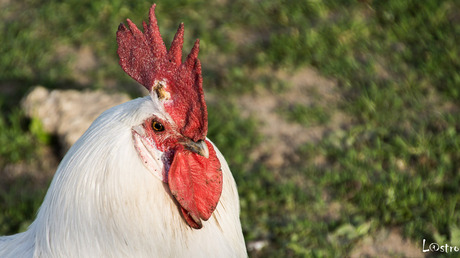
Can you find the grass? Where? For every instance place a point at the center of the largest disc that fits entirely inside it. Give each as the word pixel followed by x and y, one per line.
pixel 15 143
pixel 305 115
pixel 19 198
pixel 397 66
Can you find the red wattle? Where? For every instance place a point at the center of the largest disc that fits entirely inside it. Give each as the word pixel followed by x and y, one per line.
pixel 196 183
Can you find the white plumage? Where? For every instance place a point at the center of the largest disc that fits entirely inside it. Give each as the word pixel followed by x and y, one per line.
pixel 104 202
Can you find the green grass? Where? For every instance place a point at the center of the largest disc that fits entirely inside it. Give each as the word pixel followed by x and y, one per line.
pixel 305 115
pixel 397 67
pixel 19 197
pixel 15 143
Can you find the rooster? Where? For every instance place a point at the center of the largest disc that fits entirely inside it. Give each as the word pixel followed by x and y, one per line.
pixel 143 180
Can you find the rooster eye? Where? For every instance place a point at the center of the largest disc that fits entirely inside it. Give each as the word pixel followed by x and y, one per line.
pixel 157 126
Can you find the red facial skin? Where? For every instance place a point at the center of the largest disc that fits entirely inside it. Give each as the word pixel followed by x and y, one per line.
pixel 194 181
pixel 165 140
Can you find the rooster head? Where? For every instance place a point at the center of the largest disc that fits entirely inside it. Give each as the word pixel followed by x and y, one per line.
pixel 173 138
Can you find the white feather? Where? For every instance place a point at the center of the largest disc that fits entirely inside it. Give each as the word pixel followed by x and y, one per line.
pixel 103 202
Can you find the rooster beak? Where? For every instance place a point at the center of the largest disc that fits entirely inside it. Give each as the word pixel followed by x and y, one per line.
pixel 198 147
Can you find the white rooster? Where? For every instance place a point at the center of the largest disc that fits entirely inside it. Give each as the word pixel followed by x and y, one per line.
pixel 143 180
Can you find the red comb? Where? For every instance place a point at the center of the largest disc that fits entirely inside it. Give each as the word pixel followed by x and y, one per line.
pixel 144 57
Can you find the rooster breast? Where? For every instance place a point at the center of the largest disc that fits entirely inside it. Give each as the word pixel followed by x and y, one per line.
pixel 103 202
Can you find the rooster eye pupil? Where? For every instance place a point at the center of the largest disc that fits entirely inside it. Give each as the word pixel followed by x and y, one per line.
pixel 157 126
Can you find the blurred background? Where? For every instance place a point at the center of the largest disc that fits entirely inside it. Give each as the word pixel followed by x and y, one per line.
pixel 339 119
